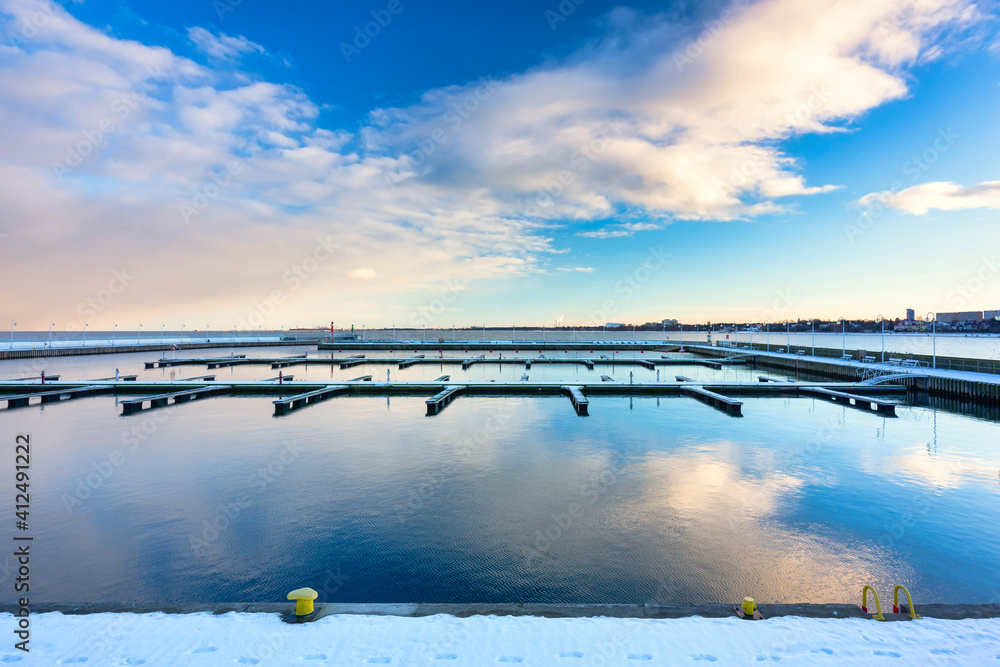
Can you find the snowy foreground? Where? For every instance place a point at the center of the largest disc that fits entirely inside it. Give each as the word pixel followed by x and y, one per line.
pixel 261 639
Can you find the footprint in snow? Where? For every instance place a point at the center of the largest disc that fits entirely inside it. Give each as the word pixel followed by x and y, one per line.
pixel 205 649
pixel 10 658
pixel 508 658
pixel 828 651
pixel 639 656
pixel 133 661
pixel 571 654
pixel 704 656
pixel 248 661
pixel 446 656
pixel 318 656
pixel 379 661
pixel 887 654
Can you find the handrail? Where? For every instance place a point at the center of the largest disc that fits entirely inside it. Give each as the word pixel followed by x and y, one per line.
pixel 909 602
pixel 864 602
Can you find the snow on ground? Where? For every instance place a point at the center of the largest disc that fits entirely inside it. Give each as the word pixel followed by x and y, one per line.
pixel 262 639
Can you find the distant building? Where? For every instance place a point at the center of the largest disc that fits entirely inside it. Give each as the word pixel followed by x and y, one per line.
pixel 911 316
pixel 613 325
pixel 964 316
pixel 991 315
pixel 670 323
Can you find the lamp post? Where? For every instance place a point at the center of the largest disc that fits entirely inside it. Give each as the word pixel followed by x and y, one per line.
pixel 881 320
pixel 843 333
pixel 767 334
pixel 138 335
pixel 114 326
pixel 484 333
pixel 85 325
pixel 513 334
pixel 425 333
pixel 51 324
pixel 12 325
pixel 933 318
pixel 788 333
pixel 813 323
pixel 161 333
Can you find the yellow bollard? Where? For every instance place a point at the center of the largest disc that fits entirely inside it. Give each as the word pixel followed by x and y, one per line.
pixel 749 606
pixel 909 602
pixel 303 600
pixel 864 602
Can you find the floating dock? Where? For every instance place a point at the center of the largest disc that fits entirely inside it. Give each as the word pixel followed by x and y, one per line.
pixel 295 395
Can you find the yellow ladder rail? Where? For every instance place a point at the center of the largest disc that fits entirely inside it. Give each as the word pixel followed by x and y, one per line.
pixel 909 602
pixel 864 602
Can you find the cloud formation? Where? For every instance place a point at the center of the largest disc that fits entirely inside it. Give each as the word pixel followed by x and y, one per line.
pixel 938 195
pixel 222 47
pixel 126 150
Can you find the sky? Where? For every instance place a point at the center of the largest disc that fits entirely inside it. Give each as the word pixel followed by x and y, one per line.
pixel 412 163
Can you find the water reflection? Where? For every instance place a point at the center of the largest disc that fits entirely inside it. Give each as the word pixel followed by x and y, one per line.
pixel 510 499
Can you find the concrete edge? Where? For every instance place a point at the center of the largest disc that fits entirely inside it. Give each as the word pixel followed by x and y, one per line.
pixel 415 610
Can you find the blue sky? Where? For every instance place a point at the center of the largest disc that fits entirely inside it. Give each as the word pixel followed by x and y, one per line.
pixel 497 163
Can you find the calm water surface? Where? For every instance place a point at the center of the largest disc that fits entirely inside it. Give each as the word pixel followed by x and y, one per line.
pixel 502 499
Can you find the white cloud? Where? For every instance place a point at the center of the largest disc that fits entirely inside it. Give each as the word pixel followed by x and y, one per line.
pixel 581 269
pixel 361 274
pixel 939 195
pixel 465 185
pixel 222 47
pixel 606 234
